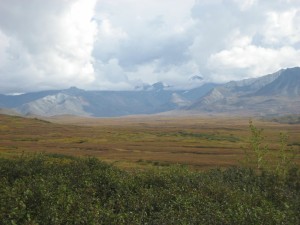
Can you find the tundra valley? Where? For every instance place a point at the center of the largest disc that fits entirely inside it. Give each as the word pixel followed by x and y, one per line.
pixel 136 112
pixel 179 166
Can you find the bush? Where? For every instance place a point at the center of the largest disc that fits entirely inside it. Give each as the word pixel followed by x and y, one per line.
pixel 56 190
pixel 258 157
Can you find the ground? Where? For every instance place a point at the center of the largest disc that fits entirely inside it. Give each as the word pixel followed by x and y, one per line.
pixel 144 141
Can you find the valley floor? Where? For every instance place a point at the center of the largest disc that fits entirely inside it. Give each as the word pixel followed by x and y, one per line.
pixel 142 142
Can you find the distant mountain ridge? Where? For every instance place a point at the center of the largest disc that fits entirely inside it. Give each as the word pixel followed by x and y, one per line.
pixel 277 93
pixel 287 84
pixel 273 94
pixel 149 99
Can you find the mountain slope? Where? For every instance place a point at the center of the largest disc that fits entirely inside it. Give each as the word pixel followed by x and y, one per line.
pixel 52 105
pixel 287 84
pixel 12 101
pixel 154 98
pixel 276 93
pixel 273 94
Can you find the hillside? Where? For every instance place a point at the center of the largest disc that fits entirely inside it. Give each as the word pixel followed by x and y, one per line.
pixel 269 95
pixel 273 94
pixel 148 100
pixel 287 84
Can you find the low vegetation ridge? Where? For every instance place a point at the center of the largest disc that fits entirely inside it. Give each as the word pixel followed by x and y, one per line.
pixel 56 189
pixel 289 119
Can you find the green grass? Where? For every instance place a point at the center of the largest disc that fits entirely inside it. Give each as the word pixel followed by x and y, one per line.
pixel 54 189
pixel 210 137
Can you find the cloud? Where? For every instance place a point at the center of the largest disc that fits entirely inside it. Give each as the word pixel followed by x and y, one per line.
pixel 4 44
pixel 50 44
pixel 247 38
pixel 117 44
pixel 152 33
pixel 249 58
pixel 282 27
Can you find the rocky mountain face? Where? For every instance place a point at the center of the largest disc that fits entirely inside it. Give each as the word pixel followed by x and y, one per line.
pixel 57 104
pixel 287 84
pixel 150 99
pixel 273 94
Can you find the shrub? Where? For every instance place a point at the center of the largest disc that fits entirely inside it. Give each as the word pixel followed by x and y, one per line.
pixel 258 155
pixel 47 189
pixel 255 154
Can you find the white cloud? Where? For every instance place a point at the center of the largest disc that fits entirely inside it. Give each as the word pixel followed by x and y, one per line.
pixel 147 39
pixel 249 59
pixel 49 47
pixel 245 4
pixel 113 44
pixel 252 39
pixel 175 75
pixel 4 44
pixel 282 27
pixel 115 71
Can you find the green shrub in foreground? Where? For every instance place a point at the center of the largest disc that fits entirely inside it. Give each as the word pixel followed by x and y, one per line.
pixel 57 190
pixel 259 157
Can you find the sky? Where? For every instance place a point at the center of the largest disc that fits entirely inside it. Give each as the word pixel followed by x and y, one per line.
pixel 121 44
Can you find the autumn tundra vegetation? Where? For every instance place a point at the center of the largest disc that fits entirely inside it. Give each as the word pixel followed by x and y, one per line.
pixel 98 173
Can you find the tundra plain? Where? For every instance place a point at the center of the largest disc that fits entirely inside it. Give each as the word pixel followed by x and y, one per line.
pixel 143 141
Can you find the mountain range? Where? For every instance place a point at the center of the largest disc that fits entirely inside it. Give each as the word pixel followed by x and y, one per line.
pixel 273 94
pixel 150 99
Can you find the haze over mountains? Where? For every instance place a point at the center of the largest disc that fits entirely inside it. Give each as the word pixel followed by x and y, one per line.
pixel 273 94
